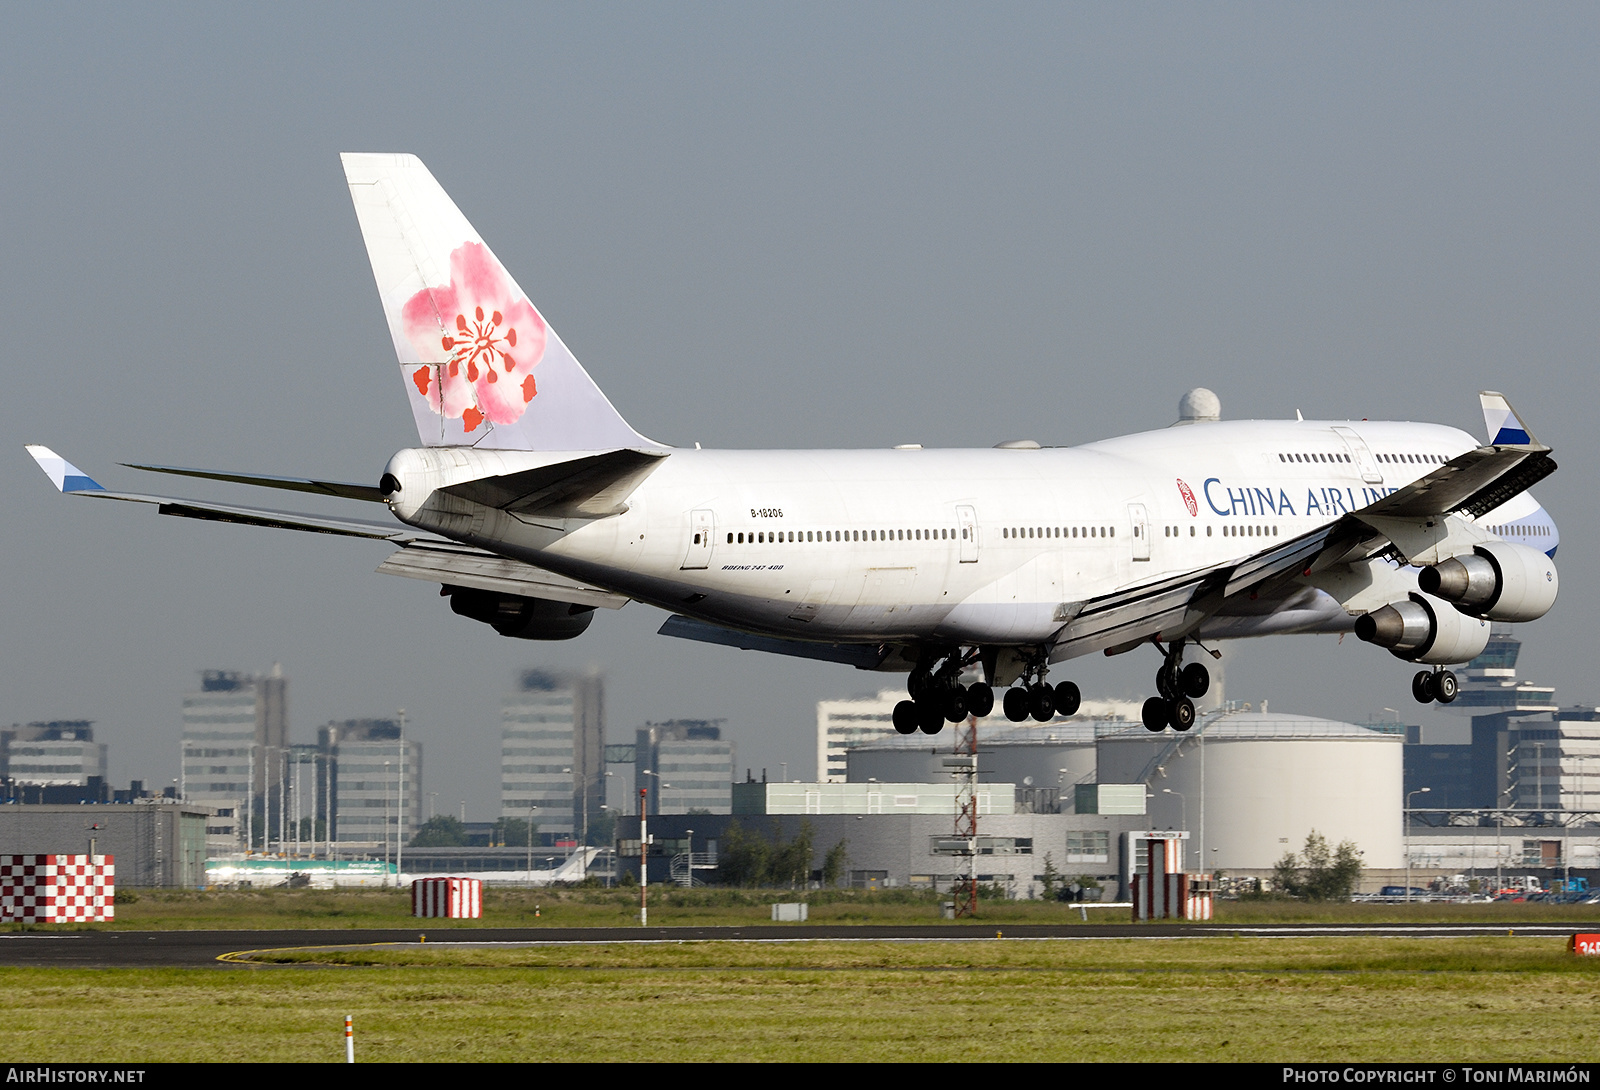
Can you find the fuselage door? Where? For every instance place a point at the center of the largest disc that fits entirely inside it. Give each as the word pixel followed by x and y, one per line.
pixel 698 555
pixel 1363 456
pixel 1141 530
pixel 967 517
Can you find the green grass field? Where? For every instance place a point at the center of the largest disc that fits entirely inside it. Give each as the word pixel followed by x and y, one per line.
pixel 281 908
pixel 1218 998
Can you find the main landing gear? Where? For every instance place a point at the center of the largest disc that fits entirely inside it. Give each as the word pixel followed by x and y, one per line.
pixel 1431 685
pixel 1178 685
pixel 938 697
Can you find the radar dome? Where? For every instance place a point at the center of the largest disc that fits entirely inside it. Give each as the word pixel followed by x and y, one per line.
pixel 1197 405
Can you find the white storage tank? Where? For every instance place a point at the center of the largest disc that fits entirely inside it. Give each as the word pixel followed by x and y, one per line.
pixel 1251 786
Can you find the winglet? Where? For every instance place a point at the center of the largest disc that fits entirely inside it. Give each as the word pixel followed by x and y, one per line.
pixel 62 473
pixel 1505 428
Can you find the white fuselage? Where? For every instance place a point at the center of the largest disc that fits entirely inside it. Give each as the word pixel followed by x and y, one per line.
pixel 967 546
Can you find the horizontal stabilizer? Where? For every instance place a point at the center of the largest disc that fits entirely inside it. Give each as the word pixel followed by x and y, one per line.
pixel 464 566
pixel 73 481
pixel 863 656
pixel 342 489
pixel 589 487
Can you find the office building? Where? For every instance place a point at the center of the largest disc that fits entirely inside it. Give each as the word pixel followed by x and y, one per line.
pixel 844 724
pixel 691 766
pixel 376 790
pixel 235 731
pixel 59 753
pixel 552 751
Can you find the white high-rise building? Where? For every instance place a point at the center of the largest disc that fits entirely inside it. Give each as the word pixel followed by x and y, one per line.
pixel 692 766
pixel 552 751
pixel 842 724
pixel 235 735
pixel 377 784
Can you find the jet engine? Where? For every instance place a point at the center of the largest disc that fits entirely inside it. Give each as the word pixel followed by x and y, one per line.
pixel 1422 629
pixel 518 617
pixel 1500 580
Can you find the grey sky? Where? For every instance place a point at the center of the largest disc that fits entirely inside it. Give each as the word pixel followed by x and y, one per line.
pixel 762 226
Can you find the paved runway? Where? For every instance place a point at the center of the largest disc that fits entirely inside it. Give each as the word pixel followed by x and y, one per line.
pixel 134 949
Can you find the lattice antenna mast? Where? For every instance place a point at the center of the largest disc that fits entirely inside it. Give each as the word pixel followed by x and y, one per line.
pixel 964 766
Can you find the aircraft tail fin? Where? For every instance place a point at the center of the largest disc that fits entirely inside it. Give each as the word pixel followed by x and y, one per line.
pixel 480 364
pixel 1504 426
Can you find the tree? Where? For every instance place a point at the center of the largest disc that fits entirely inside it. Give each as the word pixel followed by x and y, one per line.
pixel 752 860
pixel 834 863
pixel 791 862
pixel 514 832
pixel 1050 880
pixel 442 831
pixel 1319 873
pixel 744 859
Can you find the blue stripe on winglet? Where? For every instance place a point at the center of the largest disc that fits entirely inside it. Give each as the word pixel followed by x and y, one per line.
pixel 79 483
pixel 1511 437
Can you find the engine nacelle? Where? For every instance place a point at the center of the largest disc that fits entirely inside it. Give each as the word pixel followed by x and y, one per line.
pixel 518 617
pixel 1423 629
pixel 1500 580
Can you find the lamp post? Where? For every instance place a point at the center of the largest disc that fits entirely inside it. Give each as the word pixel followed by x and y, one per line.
pixel 532 806
pixel 1418 791
pixel 386 823
pixel 400 795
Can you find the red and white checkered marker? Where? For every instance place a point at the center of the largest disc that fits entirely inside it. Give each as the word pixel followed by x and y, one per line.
pixel 452 898
pixel 57 888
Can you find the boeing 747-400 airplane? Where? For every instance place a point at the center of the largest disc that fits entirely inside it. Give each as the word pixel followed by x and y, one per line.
pixel 533 502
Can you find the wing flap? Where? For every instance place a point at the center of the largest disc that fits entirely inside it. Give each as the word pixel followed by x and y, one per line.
pixel 461 565
pixel 863 656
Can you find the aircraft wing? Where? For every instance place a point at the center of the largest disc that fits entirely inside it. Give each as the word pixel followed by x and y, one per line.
pixel 448 562
pixel 71 480
pixel 1469 485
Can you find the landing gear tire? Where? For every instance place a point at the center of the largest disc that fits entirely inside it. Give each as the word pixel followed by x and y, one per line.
pixel 905 717
pixel 1155 714
pixel 1042 703
pixel 1068 698
pixel 930 717
pixel 1164 682
pixel 1015 704
pixel 980 699
pixel 1181 714
pixel 955 704
pixel 1422 687
pixel 1445 686
pixel 1194 680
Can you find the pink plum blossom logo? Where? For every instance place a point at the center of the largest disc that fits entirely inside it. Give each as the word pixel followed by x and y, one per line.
pixel 493 336
pixel 1188 499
